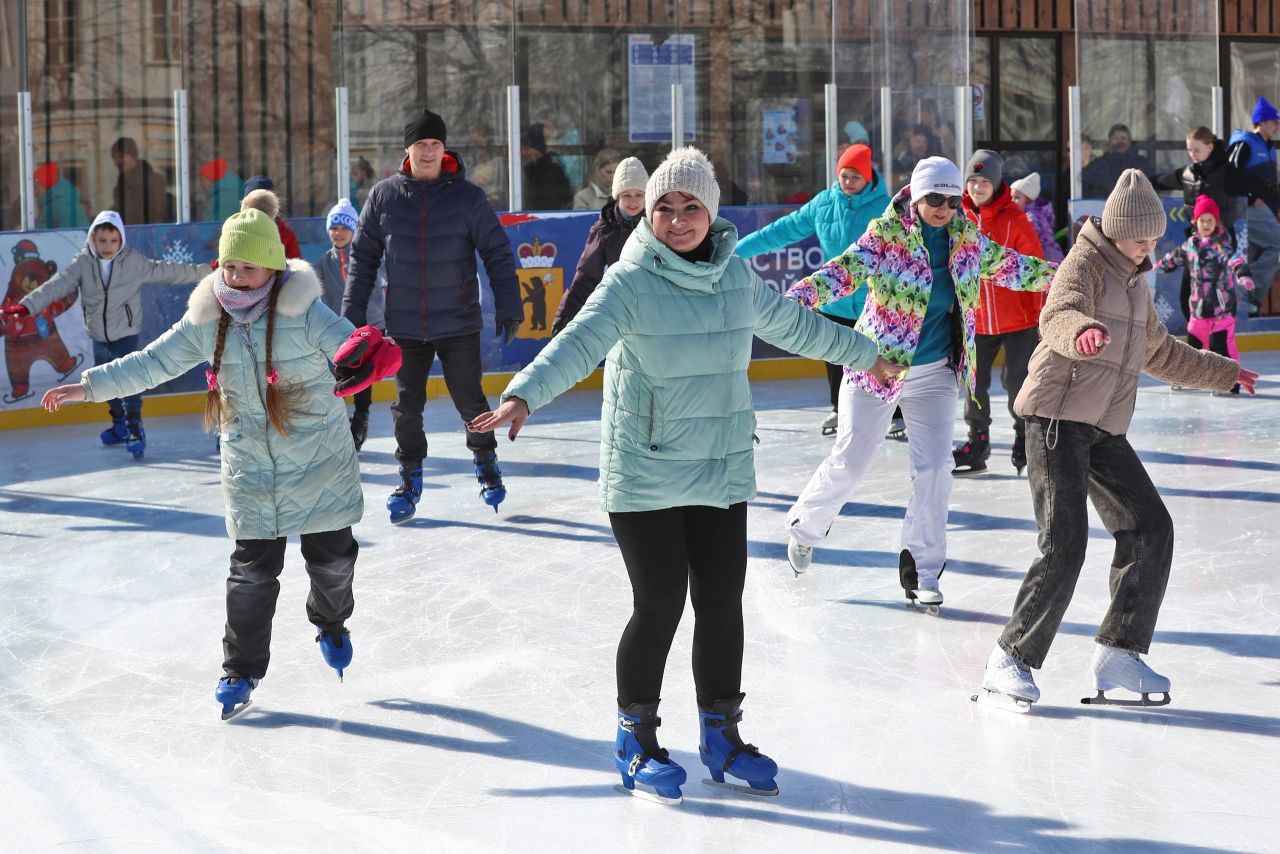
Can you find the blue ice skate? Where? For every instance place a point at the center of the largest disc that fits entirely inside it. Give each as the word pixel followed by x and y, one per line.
pixel 335 646
pixel 641 761
pixel 118 432
pixel 403 503
pixel 492 492
pixel 233 693
pixel 137 442
pixel 723 751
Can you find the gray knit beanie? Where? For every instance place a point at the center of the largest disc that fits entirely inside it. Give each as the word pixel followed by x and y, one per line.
pixel 686 170
pixel 985 163
pixel 1133 210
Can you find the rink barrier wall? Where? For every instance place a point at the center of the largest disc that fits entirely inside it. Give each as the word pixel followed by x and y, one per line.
pixel 190 403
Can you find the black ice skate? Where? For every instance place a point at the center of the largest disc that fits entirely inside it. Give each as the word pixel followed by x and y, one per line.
pixel 1018 455
pixel 971 457
pixel 927 597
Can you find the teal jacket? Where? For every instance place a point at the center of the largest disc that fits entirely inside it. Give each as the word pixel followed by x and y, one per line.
pixel 677 426
pixel 305 482
pixel 838 221
pixel 61 207
pixel 222 199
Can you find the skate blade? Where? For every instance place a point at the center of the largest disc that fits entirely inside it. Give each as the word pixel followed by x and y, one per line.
pixel 647 795
pixel 916 605
pixel 1102 699
pixel 828 431
pixel 226 716
pixel 968 472
pixel 1003 702
pixel 738 787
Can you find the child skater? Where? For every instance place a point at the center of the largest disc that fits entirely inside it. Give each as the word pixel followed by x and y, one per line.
pixel 1098 331
pixel 332 270
pixel 924 264
pixel 675 316
pixel 288 464
pixel 618 218
pixel 109 276
pixel 1216 270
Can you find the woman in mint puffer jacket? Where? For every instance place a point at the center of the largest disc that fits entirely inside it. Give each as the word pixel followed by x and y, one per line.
pixel 675 317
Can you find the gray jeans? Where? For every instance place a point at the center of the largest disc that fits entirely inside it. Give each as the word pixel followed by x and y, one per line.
pixel 1090 464
pixel 254 584
pixel 1264 249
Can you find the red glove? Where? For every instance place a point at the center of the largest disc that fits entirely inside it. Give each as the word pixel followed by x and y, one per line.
pixel 362 360
pixel 15 310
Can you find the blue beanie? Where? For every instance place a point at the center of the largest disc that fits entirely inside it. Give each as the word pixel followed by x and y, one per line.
pixel 343 214
pixel 258 182
pixel 1264 112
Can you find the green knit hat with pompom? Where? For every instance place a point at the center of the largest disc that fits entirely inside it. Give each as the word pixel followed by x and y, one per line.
pixel 251 236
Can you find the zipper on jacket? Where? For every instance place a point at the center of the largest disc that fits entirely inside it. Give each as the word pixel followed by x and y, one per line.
pixel 1051 435
pixel 106 295
pixel 128 313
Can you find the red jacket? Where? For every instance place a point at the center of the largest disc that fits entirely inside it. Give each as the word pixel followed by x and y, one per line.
pixel 289 239
pixel 1001 310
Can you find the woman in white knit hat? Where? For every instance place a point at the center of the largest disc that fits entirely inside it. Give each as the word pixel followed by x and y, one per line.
pixel 924 265
pixel 618 218
pixel 676 316
pixel 1098 332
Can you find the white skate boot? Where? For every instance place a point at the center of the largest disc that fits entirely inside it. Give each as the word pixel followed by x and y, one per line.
pixel 1007 683
pixel 799 556
pixel 1119 668
pixel 830 423
pixel 920 585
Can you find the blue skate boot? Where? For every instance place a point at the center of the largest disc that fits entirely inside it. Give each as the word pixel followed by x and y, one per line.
pixel 403 503
pixel 492 492
pixel 137 442
pixel 335 646
pixel 640 760
pixel 118 432
pixel 723 751
pixel 233 693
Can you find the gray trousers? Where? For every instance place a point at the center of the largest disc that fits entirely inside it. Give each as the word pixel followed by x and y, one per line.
pixel 1264 248
pixel 253 586
pixel 1018 347
pixel 1088 464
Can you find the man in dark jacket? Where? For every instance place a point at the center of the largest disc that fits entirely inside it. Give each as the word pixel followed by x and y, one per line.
pixel 428 222
pixel 1251 172
pixel 1100 176
pixel 140 195
pixel 546 186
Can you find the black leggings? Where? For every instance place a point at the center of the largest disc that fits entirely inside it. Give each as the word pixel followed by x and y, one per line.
pixel 666 551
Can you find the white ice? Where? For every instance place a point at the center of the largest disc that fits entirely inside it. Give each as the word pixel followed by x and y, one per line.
pixel 478 714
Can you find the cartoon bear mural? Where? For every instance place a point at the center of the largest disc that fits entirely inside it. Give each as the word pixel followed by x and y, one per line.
pixel 31 339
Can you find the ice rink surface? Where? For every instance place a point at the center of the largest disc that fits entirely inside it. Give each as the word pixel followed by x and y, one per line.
pixel 478 715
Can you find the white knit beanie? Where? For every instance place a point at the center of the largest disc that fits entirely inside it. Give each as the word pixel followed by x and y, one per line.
pixel 1028 186
pixel 343 214
pixel 686 170
pixel 935 175
pixel 629 175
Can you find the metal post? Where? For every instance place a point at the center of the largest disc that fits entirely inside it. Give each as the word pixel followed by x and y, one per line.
pixel 1219 119
pixel 833 141
pixel 182 154
pixel 886 137
pixel 515 170
pixel 26 163
pixel 964 125
pixel 1073 128
pixel 343 141
pixel 677 115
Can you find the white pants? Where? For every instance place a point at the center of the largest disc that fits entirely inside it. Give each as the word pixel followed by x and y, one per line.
pixel 929 402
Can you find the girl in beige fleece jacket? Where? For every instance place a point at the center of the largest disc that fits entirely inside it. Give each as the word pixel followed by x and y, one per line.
pixel 1099 331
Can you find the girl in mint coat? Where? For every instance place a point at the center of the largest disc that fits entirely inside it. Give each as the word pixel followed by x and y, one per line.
pixel 675 317
pixel 839 215
pixel 288 463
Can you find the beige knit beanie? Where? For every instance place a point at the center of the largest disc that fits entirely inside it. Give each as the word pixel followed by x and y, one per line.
pixel 1133 210
pixel 630 175
pixel 686 170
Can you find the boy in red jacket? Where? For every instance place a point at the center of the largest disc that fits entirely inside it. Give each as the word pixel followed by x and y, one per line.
pixel 1005 318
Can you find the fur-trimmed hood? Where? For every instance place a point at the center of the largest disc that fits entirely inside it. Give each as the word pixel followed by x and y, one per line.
pixel 300 289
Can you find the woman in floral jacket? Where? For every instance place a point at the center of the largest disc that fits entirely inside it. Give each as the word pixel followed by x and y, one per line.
pixel 924 266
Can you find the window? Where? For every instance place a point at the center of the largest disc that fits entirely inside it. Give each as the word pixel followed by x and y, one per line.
pixel 163 43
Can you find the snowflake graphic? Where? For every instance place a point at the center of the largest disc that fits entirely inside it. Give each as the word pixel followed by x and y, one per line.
pixel 177 252
pixel 1165 309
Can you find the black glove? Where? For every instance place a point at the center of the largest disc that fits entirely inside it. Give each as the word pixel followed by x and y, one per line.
pixel 506 330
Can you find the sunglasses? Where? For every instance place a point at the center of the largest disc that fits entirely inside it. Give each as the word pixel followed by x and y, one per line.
pixel 937 200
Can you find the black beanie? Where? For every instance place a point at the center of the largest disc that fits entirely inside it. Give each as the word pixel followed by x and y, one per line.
pixel 424 125
pixel 535 137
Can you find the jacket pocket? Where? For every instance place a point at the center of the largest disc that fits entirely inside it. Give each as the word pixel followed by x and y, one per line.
pixel 655 420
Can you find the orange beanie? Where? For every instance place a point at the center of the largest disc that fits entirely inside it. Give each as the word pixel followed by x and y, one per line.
pixel 214 170
pixel 47 175
pixel 858 158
